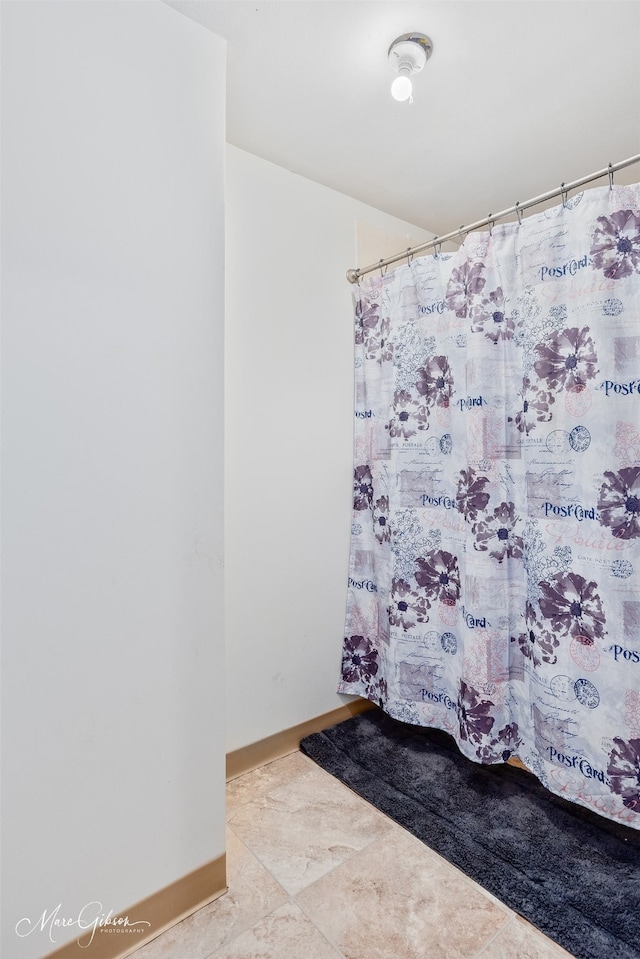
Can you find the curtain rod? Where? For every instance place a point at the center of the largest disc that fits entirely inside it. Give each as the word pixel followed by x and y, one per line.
pixel 354 275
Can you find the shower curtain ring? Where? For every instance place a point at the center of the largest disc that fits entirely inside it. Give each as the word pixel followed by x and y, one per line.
pixel 565 194
pixel 519 212
pixel 409 255
pixel 491 223
pixel 611 176
pixel 381 263
pixel 436 246
pixel 460 229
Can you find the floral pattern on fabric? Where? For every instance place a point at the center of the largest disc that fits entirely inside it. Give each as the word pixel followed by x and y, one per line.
pixel 378 344
pixel 489 317
pixel 367 317
pixel 615 246
pixel 501 746
pixel 381 519
pixel 619 502
pixel 372 330
pixel 574 607
pixel 497 533
pixel 536 643
pixel 439 576
pixel 359 659
pixel 472 496
pixel 378 692
pixel 624 772
pixel 407 607
pixel 435 382
pixel 410 541
pixel 492 589
pixel 362 487
pixel 409 416
pixel 465 283
pixel 536 407
pixel 474 714
pixel 568 360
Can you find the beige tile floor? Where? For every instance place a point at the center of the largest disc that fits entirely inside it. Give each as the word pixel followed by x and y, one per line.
pixel 315 872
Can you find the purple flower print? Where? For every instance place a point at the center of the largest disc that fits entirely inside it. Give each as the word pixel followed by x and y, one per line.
pixel 359 660
pixel 535 407
pixel 496 533
pixel 366 319
pixel 381 519
pixel 407 608
pixel 473 714
pixel 624 772
pixel 471 496
pixel 372 330
pixel 567 360
pixel 619 502
pixel 573 606
pixel 408 415
pixel 489 317
pixel 465 282
pixel 362 487
pixel 378 342
pixel 615 245
pixel 536 643
pixel 502 745
pixel 435 381
pixel 439 576
pixel 378 692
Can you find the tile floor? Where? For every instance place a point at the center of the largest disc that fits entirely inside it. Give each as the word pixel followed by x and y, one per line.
pixel 315 872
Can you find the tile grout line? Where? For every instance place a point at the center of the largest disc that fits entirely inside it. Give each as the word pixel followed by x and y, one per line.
pixel 510 915
pixel 250 925
pixel 393 827
pixel 332 868
pixel 304 912
pixel 511 921
pixel 398 826
pixel 265 792
pixel 314 767
pixel 291 899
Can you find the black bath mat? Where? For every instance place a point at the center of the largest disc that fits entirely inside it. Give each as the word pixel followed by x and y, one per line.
pixel 573 874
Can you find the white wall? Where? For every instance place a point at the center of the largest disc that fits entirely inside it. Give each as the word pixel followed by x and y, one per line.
pixel 113 154
pixel 288 443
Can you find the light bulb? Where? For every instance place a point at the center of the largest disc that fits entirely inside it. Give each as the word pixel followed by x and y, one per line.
pixel 401 88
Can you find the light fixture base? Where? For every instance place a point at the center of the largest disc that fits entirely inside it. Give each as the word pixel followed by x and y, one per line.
pixel 410 51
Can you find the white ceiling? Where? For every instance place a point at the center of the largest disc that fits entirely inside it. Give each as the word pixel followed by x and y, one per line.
pixel 518 97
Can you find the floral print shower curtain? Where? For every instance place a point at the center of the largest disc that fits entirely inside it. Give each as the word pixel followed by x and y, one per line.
pixel 495 544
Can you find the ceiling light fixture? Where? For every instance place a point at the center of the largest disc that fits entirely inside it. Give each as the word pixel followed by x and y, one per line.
pixel 408 55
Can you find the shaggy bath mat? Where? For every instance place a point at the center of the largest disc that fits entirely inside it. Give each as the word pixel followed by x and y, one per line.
pixel 574 875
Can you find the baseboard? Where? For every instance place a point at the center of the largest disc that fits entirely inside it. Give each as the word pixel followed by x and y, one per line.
pixel 264 751
pixel 183 897
pixel 514 761
pixel 161 910
pixel 281 744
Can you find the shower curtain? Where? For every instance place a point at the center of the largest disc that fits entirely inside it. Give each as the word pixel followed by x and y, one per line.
pixel 495 543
